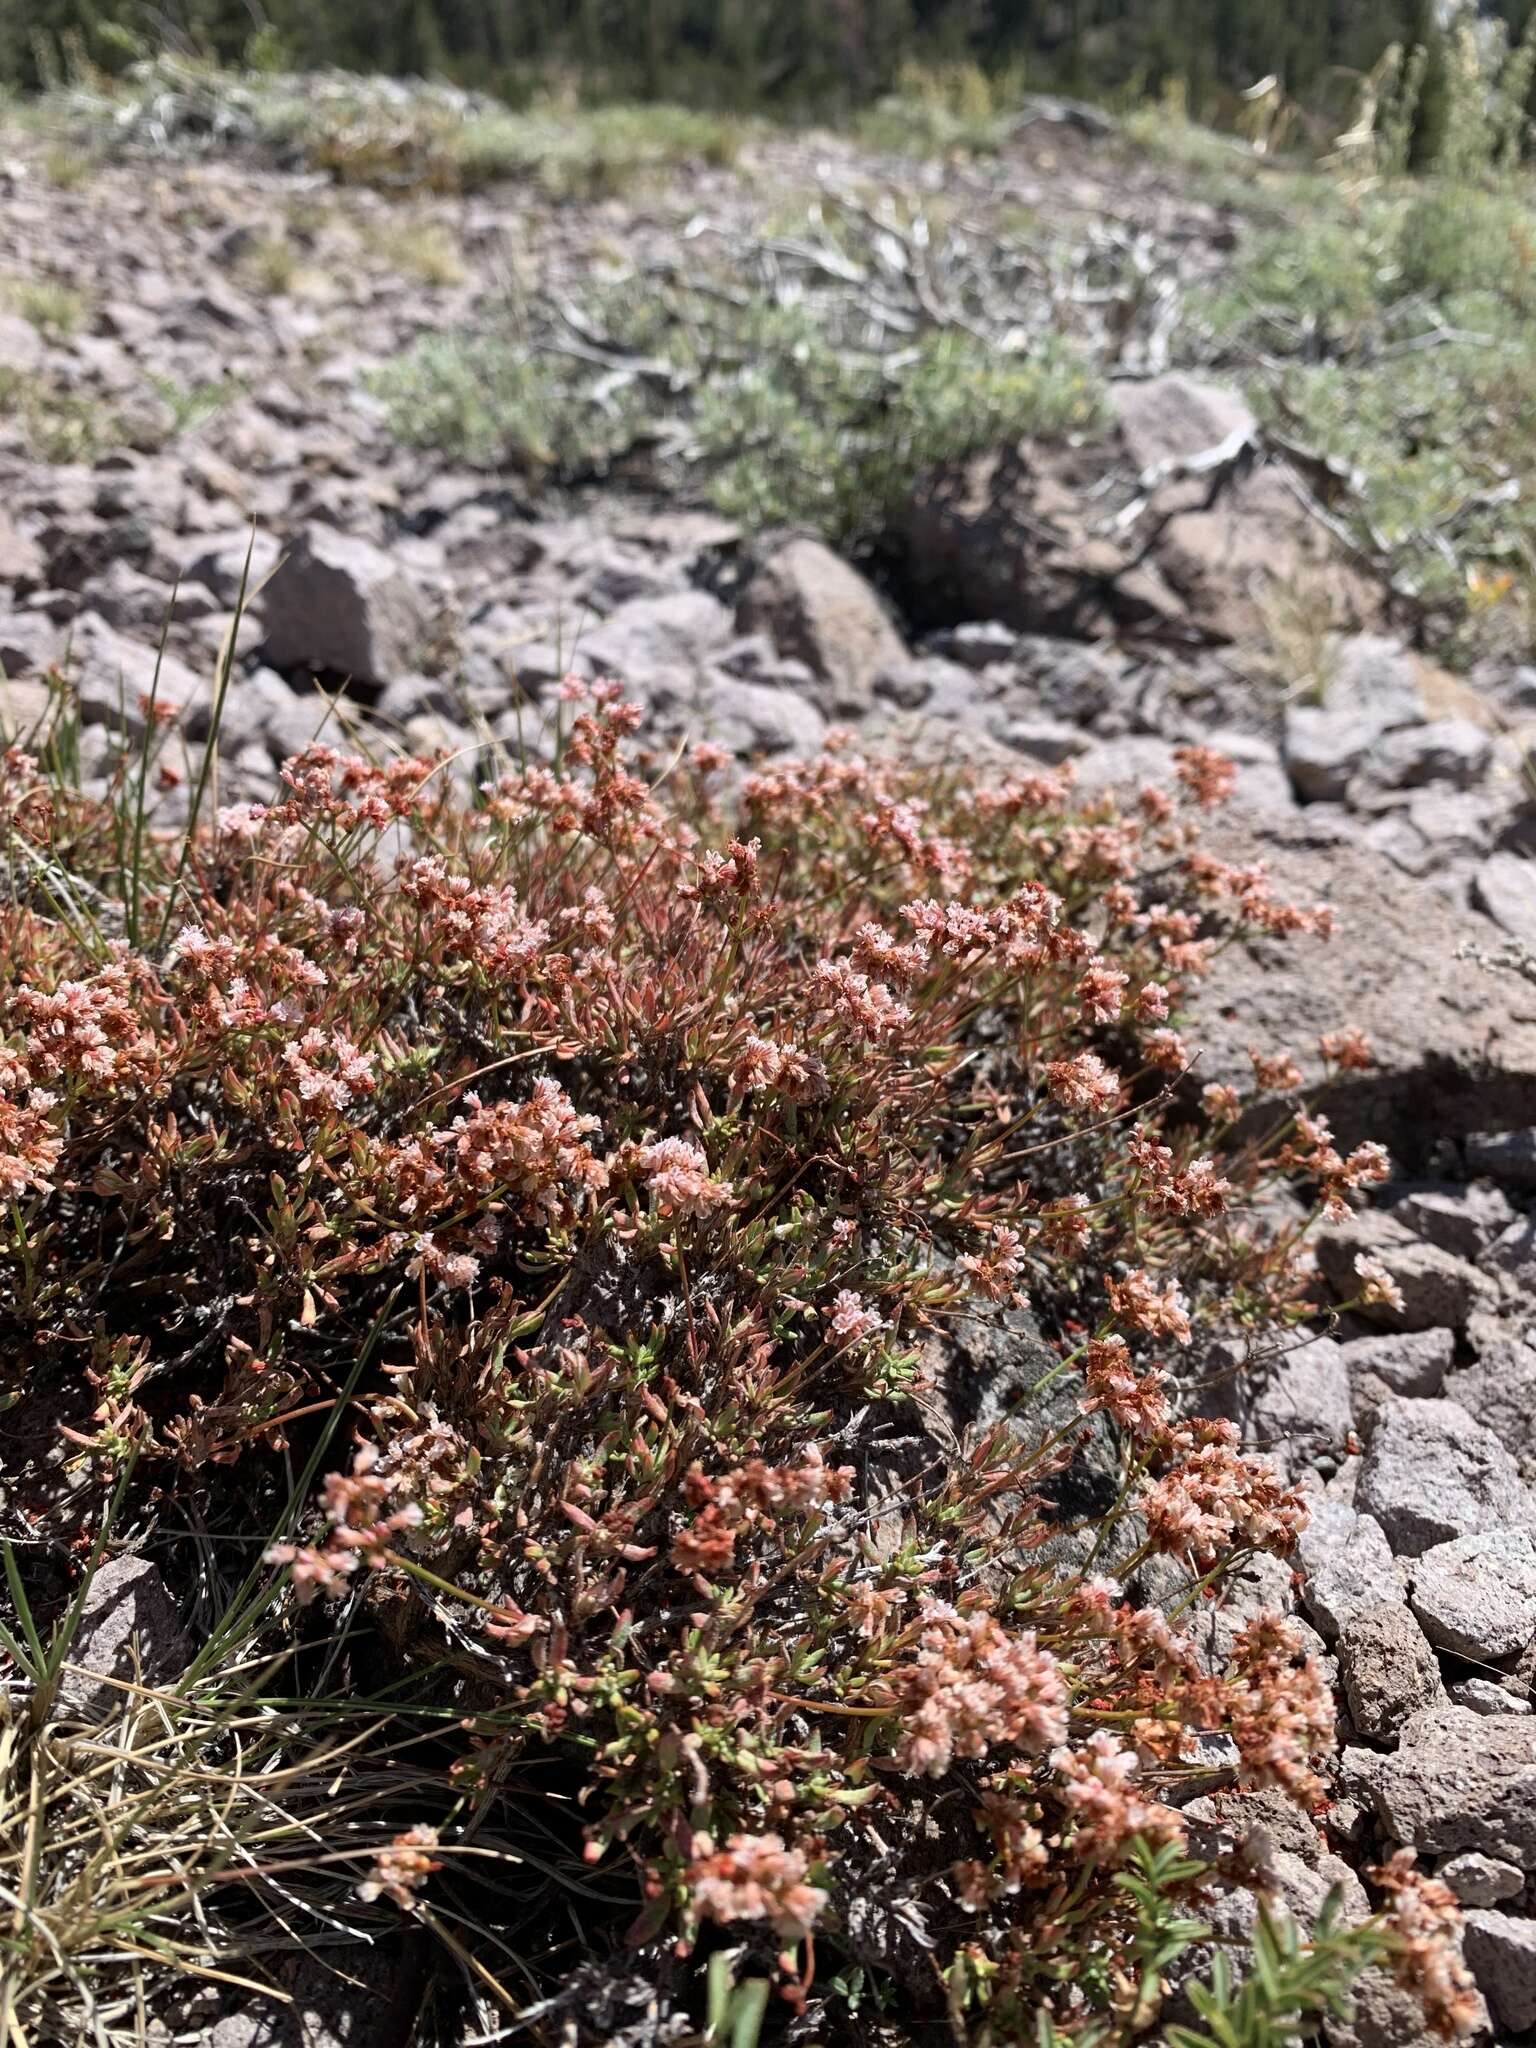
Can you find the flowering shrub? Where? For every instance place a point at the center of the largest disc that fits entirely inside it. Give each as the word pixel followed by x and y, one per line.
pixel 619 1160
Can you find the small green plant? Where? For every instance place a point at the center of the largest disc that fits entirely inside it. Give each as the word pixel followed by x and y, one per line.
pixel 54 309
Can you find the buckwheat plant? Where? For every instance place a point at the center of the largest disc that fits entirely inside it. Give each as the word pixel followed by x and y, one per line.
pixel 628 1151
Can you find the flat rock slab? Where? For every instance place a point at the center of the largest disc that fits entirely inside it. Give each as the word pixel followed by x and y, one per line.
pixel 1476 1596
pixel 1453 1031
pixel 1461 1780
pixel 1431 1473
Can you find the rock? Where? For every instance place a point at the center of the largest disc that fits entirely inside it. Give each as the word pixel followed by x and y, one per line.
pixel 1388 1669
pixel 341 605
pixel 114 676
pixel 1481 1880
pixel 1167 420
pixel 754 718
pixel 1501 1953
pixel 1509 1156
pixel 21 559
pixel 129 1629
pixel 21 346
pixel 1412 1362
pixel 1347 1564
pixel 1476 1596
pixel 1484 1697
pixel 219 561
pixel 1460 1780
pixel 1447 750
pixel 1303 1403
pixel 1383 2014
pixel 1439 1290
pixel 978 644
pixel 1500 1388
pixel 1461 1056
pixel 1463 1221
pixel 1430 1474
pixel 1323 750
pixel 659 641
pixel 1378 676
pixel 1505 888
pixel 818 610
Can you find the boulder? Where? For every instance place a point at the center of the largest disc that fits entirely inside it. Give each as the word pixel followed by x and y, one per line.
pixel 1484 1697
pixel 1499 1387
pixel 1412 1362
pixel 113 677
pixel 340 605
pixel 1481 1880
pixel 1504 888
pixel 1324 750
pixel 656 643
pixel 1460 1780
pixel 1303 1402
pixel 1430 1474
pixel 1460 1056
pixel 1347 1565
pixel 1508 1156
pixel 1464 1221
pixel 1439 1290
pixel 1445 750
pixel 1388 1669
pixel 1476 1596
pixel 129 1630
pixel 21 559
pixel 1501 1953
pixel 818 610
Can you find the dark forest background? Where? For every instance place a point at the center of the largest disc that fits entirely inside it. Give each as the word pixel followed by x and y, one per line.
pixel 791 54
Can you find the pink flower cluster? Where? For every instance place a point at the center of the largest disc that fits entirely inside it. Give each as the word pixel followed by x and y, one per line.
pixel 973 1684
pixel 1108 1812
pixel 755 1877
pixel 1216 1497
pixel 361 1529
pixel 402 1868
pixel 677 1174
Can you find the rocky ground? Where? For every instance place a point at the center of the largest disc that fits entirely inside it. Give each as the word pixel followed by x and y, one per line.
pixel 1099 604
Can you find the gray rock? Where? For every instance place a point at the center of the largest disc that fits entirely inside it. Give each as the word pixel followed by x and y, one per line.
pixel 114 676
pixel 1449 750
pixel 1324 750
pixel 340 604
pixel 1388 1669
pixel 1171 418
pixel 1476 1596
pixel 1430 1473
pixel 978 644
pixel 1377 676
pixel 21 346
pixel 756 718
pixel 1461 1780
pixel 1463 1221
pixel 1347 1564
pixel 129 1629
pixel 659 640
pixel 218 562
pixel 1412 1362
pixel 1509 1156
pixel 1499 1387
pixel 1484 1697
pixel 1461 1055
pixel 1481 1880
pixel 818 610
pixel 1505 888
pixel 1501 1953
pixel 1439 1290
pixel 1303 1402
